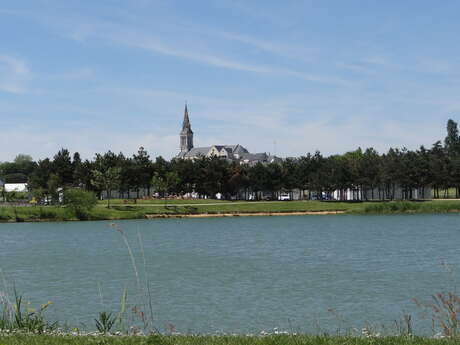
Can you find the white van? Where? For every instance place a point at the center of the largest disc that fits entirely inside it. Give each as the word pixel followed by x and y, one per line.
pixel 284 197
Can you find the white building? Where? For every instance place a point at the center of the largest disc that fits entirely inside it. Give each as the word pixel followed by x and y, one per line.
pixel 16 187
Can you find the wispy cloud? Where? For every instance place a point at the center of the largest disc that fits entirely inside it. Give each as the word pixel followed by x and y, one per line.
pixel 81 28
pixel 155 45
pixel 14 73
pixel 281 49
pixel 131 36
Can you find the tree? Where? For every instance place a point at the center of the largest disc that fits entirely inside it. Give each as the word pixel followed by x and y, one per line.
pixel 452 140
pixel 53 188
pixel 19 170
pixel 238 180
pixel 23 159
pixel 107 180
pixel 160 185
pixel 257 178
pixel 439 167
pixel 78 171
pixel 40 177
pixel 143 170
pixel 63 168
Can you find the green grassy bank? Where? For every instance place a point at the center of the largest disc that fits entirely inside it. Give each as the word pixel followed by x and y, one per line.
pixel 142 209
pixel 220 340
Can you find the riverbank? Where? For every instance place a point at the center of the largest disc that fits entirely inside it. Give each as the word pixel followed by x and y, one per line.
pixel 219 340
pixel 239 214
pixel 148 209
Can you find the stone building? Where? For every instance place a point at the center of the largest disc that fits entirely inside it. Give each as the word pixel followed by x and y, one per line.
pixel 231 152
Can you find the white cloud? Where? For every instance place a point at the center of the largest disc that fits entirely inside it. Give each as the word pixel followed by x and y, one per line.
pixel 13 74
pixel 153 44
pixel 281 49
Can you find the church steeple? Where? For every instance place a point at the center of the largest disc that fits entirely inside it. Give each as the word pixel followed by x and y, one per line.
pixel 186 134
pixel 186 122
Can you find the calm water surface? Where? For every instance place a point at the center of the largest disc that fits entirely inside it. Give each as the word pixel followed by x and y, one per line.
pixel 238 274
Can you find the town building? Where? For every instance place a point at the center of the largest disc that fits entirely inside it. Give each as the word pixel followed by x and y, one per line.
pixel 16 187
pixel 236 152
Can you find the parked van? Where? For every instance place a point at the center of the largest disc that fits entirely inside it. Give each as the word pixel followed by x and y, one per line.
pixel 284 197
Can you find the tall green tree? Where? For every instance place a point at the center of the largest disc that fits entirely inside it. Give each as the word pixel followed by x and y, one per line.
pixel 452 140
pixel 63 168
pixel 107 180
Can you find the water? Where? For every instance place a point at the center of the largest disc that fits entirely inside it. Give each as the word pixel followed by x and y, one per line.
pixel 238 274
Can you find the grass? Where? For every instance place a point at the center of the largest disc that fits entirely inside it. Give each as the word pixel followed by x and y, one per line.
pixel 436 206
pixel 219 340
pixel 160 201
pixel 183 207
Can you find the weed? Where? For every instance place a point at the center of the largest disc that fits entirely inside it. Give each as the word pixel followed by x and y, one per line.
pixel 25 319
pixel 445 310
pixel 105 322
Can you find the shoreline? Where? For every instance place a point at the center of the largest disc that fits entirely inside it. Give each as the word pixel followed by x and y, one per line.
pixel 243 214
pixel 214 210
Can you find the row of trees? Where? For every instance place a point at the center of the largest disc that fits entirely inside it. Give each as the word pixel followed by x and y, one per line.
pixel 437 167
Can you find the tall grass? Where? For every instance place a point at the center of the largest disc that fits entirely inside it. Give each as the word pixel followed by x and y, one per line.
pixel 412 207
pixel 16 316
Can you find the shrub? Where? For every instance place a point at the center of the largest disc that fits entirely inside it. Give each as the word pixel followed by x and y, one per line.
pixel 4 214
pixel 45 213
pixel 81 202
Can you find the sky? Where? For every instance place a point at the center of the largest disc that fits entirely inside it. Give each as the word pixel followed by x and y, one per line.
pixel 286 77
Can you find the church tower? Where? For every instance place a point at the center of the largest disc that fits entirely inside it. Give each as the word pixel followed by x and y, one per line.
pixel 186 134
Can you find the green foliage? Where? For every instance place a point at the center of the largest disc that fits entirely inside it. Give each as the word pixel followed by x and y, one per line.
pixel 53 186
pixel 14 196
pixel 18 170
pixel 47 213
pixel 452 140
pixel 105 322
pixel 159 184
pixel 107 180
pixel 81 202
pixel 412 207
pixel 27 319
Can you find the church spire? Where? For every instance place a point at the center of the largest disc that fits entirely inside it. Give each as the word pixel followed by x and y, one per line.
pixel 186 134
pixel 186 122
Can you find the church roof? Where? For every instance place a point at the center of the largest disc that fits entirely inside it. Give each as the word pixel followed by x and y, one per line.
pixel 260 157
pixel 198 151
pixel 203 151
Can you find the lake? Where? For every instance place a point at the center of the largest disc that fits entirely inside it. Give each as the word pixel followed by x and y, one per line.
pixel 248 274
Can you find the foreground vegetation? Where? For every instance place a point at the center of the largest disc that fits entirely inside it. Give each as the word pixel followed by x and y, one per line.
pixel 220 340
pixel 212 207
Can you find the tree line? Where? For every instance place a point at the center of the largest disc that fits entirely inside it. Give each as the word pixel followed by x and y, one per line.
pixel 436 168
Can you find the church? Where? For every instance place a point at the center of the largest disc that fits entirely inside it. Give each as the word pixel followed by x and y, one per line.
pixel 236 153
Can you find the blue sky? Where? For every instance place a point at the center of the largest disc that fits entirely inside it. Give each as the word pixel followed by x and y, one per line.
pixel 289 77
